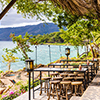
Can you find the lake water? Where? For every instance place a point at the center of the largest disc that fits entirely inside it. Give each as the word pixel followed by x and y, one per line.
pixel 43 54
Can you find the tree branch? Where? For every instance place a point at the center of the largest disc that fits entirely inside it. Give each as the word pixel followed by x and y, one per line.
pixel 7 8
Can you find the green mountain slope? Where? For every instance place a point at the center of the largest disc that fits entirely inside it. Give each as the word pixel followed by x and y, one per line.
pixel 31 29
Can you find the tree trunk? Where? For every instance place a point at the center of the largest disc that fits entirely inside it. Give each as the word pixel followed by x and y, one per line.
pixel 77 52
pixel 9 66
pixel 93 54
pixel 87 49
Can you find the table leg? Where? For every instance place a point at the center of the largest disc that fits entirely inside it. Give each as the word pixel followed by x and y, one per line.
pixel 48 71
pixel 84 81
pixel 29 86
pixel 33 84
pixel 40 83
pixel 88 77
pixel 91 72
pixel 95 68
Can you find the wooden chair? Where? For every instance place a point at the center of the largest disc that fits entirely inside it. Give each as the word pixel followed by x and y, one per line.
pixel 71 75
pixel 63 74
pixel 81 74
pixel 54 89
pixel 54 74
pixel 46 79
pixel 78 87
pixel 79 78
pixel 68 79
pixel 58 78
pixel 65 86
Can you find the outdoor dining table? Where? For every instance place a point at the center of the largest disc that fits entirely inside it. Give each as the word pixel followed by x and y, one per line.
pixel 95 61
pixel 83 70
pixel 77 60
pixel 91 65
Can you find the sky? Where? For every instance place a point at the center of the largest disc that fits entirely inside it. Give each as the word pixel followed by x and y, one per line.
pixel 12 19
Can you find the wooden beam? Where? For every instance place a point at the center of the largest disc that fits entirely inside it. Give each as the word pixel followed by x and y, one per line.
pixel 7 8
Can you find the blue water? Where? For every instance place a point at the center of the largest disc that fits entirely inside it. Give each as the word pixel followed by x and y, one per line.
pixel 43 54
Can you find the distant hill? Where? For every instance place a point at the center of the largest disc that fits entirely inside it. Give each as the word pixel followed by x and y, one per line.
pixel 31 29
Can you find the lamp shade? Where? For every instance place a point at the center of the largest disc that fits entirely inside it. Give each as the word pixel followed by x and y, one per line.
pixel 29 65
pixel 67 51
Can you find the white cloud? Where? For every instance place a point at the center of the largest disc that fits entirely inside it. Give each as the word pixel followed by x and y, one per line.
pixel 12 19
pixel 22 24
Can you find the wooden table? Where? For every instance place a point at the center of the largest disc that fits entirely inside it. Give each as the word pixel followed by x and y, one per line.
pixel 78 60
pixel 95 61
pixel 83 70
pixel 91 65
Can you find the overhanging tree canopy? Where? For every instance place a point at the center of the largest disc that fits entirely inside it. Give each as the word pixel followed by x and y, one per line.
pixel 63 12
pixel 80 7
pixel 76 7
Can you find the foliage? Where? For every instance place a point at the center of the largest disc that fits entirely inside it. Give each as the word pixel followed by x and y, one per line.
pixel 83 56
pixel 16 93
pixel 19 83
pixel 82 33
pixel 80 17
pixel 49 38
pixel 23 88
pixel 43 10
pixel 23 44
pixel 9 58
pixel 1 71
pixel 89 54
pixel 60 12
pixel 36 83
pixel 11 95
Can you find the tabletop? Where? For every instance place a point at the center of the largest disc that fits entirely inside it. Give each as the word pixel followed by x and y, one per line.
pixel 61 69
pixel 74 64
pixel 78 60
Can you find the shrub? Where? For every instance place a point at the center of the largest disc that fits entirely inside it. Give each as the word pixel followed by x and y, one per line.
pixel 1 71
pixel 11 95
pixel 83 56
pixel 19 82
pixel 23 88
